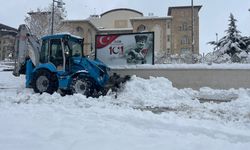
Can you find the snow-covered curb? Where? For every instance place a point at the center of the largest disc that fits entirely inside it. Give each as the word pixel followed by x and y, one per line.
pixel 184 66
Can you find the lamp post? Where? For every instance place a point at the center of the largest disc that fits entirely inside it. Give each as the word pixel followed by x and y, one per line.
pixel 216 34
pixel 60 4
pixel 192 29
pixel 192 19
pixel 216 38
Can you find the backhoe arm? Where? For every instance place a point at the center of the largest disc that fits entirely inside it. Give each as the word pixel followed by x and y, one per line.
pixel 26 46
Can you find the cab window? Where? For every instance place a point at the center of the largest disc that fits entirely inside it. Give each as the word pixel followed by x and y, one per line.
pixel 56 53
pixel 44 55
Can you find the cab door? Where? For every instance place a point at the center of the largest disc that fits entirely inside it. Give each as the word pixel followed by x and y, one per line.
pixel 56 56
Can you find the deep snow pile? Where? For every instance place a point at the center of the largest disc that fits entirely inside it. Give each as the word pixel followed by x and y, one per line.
pixel 147 114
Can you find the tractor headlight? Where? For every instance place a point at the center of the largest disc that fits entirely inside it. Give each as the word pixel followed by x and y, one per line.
pixel 100 78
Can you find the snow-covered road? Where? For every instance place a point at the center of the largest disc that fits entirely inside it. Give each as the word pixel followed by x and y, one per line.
pixel 31 121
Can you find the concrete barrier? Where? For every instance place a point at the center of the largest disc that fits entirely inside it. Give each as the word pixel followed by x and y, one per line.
pixel 196 78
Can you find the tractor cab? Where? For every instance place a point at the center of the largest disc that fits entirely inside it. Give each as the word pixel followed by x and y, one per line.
pixel 60 49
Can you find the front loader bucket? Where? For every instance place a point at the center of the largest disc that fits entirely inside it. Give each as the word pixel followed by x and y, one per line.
pixel 115 82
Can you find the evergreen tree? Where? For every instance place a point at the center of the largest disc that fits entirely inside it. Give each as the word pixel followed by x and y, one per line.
pixel 231 44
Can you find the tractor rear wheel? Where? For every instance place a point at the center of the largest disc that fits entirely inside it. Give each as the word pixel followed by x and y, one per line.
pixel 44 81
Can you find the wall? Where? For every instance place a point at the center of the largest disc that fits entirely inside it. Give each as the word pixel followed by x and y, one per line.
pixel 6 46
pixel 196 78
pixel 118 19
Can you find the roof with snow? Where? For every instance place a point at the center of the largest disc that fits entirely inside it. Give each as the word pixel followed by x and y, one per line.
pixel 81 20
pixel 2 26
pixel 7 30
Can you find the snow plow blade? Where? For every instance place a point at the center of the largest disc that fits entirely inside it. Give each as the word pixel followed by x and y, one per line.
pixel 115 83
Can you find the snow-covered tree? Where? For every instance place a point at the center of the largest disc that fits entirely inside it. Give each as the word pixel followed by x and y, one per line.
pixel 39 21
pixel 232 43
pixel 247 42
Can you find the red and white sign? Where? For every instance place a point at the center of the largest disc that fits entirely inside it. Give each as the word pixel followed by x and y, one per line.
pixel 125 49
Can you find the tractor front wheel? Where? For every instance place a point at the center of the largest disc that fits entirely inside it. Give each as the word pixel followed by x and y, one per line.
pixel 82 85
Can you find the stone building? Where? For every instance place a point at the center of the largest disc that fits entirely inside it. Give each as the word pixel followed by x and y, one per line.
pixel 173 34
pixel 7 40
pixel 181 29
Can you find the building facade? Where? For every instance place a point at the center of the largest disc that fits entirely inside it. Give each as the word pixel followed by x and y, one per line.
pixel 7 41
pixel 173 34
pixel 181 29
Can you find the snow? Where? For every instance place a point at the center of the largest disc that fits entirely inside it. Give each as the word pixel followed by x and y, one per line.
pixel 146 115
pixel 5 65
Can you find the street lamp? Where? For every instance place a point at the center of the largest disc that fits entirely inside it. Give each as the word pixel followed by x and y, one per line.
pixel 60 4
pixel 192 30
pixel 192 24
pixel 216 34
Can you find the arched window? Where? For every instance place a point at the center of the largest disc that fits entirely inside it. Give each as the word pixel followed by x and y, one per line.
pixel 141 28
pixel 79 30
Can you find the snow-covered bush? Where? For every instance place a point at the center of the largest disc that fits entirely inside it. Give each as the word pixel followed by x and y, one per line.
pixel 185 58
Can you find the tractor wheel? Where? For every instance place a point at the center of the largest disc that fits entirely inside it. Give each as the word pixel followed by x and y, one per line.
pixel 44 81
pixel 82 85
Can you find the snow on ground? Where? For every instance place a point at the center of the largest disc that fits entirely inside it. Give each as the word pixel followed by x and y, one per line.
pixel 146 115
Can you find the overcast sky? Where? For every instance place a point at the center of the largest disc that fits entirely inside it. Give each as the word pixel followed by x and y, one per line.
pixel 214 14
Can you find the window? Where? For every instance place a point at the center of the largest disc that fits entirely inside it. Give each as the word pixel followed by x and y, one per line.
pixel 56 48
pixel 184 27
pixel 185 51
pixel 168 25
pixel 190 28
pixel 168 38
pixel 73 47
pixel 141 28
pixel 168 51
pixel 44 52
pixel 76 47
pixel 56 53
pixel 79 30
pixel 184 40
